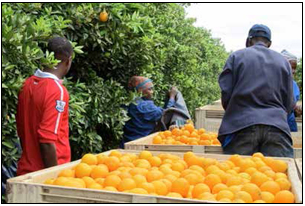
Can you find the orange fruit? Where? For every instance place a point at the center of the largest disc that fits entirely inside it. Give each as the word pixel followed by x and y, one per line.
pixel 283 183
pixel 49 181
pixel 267 197
pixel 244 196
pixel 157 140
pixel 124 159
pixel 197 168
pixel 270 186
pixel 253 190
pixel 143 163
pixel 112 180
pixel 258 154
pixel 251 170
pixel 234 180
pixel 155 161
pixel 60 181
pixel 181 186
pixel 284 196
pixel 280 175
pixel 225 194
pixel 218 187
pixel 270 173
pixel 170 177
pixel 145 155
pixel 192 179
pixel 82 170
pixel 149 187
pixel 189 127
pixel 199 189
pixel 89 159
pixel 139 179
pixel 211 169
pixel 124 175
pixel 206 196
pixel 225 200
pixel 201 131
pixel 174 194
pixel 167 183
pixel 109 188
pixel 115 153
pixel 245 164
pixel 167 133
pixel 99 171
pixel 138 191
pixel 154 175
pixel 259 178
pixel 126 184
pixel 223 166
pixel 235 159
pixel 112 163
pixel 176 132
pixel 211 180
pixel 178 166
pixel 95 186
pixel 103 16
pixel 160 187
pixel 193 161
pixel 101 158
pixel 88 180
pixel 279 166
pixel 238 201
pixel 235 188
pixel 67 173
pixel 100 181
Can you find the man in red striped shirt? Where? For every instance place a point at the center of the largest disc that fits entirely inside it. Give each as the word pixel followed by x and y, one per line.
pixel 42 113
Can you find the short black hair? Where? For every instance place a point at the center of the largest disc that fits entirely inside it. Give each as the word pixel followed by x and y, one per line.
pixel 260 38
pixel 61 47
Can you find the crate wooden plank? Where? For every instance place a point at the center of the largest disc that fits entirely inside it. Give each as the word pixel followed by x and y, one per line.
pixel 29 188
pixel 299 165
pixel 146 143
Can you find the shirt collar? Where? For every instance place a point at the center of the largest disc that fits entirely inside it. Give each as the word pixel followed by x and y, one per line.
pixel 42 74
pixel 260 44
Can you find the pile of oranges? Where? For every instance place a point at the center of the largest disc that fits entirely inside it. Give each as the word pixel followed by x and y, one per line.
pixel 187 135
pixel 255 179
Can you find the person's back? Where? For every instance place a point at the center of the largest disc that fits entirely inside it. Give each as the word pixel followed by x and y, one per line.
pixel 260 90
pixel 39 123
pixel 42 113
pixel 256 93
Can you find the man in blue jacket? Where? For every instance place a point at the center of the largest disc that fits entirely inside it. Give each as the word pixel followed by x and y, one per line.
pixel 257 95
pixel 292 59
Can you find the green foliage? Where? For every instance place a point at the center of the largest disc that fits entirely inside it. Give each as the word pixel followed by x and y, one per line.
pixel 150 39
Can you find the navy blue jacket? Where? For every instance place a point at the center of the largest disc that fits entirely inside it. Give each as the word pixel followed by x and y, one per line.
pixel 256 88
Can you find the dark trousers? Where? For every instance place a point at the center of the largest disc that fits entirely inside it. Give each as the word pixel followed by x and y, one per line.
pixel 266 139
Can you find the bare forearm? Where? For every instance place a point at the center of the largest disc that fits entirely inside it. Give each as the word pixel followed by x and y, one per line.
pixel 48 154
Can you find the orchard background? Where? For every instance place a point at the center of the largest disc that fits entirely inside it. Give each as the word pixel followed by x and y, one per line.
pixel 155 40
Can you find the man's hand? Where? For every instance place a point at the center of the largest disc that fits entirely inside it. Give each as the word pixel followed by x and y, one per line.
pixel 48 154
pixel 173 92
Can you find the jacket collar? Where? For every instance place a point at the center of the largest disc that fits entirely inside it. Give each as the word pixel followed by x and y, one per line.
pixel 42 74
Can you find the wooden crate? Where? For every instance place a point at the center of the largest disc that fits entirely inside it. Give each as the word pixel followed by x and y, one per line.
pixel 146 143
pixel 29 188
pixel 210 117
pixel 299 165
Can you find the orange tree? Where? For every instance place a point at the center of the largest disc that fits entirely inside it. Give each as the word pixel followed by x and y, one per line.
pixel 150 39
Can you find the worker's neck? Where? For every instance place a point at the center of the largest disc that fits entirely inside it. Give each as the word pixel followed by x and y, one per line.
pixel 55 71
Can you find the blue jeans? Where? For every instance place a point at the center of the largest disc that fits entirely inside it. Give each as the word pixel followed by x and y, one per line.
pixel 266 139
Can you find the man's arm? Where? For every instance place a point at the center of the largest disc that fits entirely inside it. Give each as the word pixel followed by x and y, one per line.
pixel 48 154
pixel 226 83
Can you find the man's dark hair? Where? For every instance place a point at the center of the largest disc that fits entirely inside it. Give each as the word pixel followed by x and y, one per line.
pixel 261 39
pixel 61 47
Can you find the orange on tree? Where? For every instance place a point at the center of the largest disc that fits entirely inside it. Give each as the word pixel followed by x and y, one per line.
pixel 103 16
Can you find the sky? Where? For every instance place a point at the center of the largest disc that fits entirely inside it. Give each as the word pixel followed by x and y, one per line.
pixel 231 23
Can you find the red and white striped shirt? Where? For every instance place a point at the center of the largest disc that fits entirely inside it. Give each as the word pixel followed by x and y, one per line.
pixel 42 117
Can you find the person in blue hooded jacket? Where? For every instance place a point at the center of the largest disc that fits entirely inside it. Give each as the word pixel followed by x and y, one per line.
pixel 292 59
pixel 144 114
